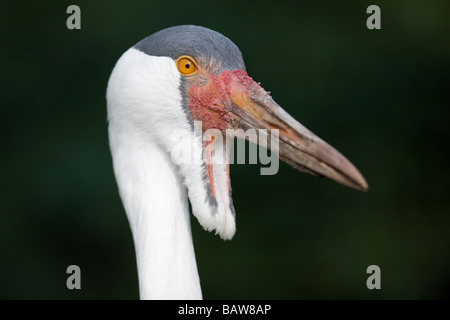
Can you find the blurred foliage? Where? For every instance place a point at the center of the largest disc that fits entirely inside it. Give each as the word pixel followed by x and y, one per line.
pixel 377 96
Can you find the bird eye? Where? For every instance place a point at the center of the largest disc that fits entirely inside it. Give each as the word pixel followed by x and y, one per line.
pixel 186 65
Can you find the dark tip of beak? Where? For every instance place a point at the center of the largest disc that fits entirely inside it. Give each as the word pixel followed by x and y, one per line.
pixel 313 155
pixel 254 108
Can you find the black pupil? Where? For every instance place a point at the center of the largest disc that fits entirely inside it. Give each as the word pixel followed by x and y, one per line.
pixel 187 65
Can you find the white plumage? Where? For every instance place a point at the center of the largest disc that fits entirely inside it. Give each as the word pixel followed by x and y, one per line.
pixel 144 108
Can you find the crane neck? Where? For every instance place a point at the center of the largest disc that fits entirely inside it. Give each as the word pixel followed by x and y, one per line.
pixel 156 204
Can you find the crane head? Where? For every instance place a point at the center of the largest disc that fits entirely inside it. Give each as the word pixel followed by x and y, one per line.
pixel 194 79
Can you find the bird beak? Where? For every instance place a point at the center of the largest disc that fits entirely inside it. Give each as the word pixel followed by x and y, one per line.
pixel 253 108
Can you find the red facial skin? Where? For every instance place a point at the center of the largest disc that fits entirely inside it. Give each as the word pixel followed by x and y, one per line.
pixel 210 102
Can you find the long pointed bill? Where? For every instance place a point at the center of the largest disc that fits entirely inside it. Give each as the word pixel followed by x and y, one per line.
pixel 253 108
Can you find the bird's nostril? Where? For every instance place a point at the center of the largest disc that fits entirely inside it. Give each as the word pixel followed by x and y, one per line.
pixel 273 125
pixel 276 126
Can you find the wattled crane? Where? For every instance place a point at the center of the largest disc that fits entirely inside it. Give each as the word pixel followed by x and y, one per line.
pixel 174 80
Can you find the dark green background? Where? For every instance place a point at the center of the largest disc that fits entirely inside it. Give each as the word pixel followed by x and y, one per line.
pixel 377 96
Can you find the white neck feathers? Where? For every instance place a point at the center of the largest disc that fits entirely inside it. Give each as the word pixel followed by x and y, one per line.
pixel 144 109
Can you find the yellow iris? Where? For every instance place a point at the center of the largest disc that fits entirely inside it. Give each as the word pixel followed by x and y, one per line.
pixel 186 65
